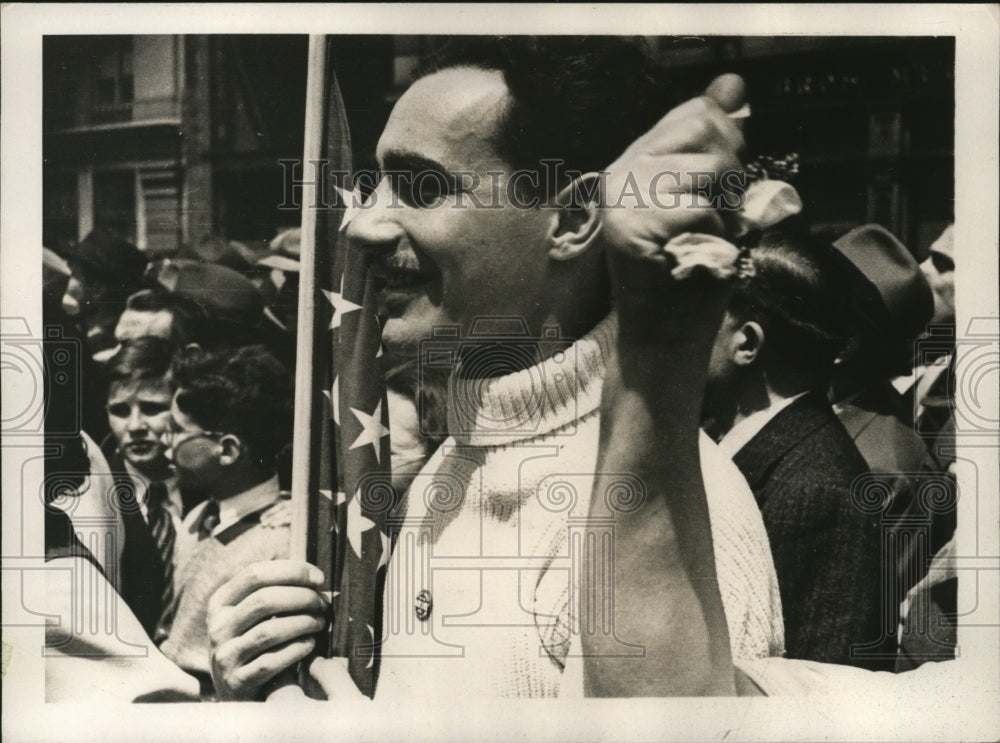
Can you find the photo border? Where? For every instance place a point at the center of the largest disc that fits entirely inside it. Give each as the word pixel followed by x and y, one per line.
pixel 968 711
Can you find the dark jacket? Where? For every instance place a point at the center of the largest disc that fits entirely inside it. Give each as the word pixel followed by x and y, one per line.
pixel 880 423
pixel 826 543
pixel 141 570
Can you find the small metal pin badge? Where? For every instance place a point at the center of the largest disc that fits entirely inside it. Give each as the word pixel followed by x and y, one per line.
pixel 423 604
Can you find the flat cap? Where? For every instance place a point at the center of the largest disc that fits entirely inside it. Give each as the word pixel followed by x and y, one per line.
pixel 223 293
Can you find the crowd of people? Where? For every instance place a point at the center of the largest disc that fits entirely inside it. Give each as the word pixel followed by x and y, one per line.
pixel 771 393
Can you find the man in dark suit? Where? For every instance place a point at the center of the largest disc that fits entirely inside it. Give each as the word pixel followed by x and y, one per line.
pixel 893 301
pixel 766 398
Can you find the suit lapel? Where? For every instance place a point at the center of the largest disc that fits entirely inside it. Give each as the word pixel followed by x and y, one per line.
pixel 781 434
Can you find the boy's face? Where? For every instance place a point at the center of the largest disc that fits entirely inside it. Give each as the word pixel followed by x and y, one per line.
pixel 139 415
pixel 193 451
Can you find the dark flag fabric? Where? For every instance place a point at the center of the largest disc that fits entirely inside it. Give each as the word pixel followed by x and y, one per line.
pixel 342 462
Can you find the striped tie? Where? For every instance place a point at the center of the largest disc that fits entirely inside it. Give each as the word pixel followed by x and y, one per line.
pixel 161 526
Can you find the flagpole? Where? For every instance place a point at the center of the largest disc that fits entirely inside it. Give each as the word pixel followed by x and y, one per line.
pixel 305 358
pixel 286 684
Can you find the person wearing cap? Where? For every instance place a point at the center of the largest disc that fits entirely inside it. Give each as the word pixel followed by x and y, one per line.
pixel 930 389
pixel 233 254
pixel 230 416
pixel 208 305
pixel 891 303
pixel 283 262
pixel 939 268
pixel 162 314
pixel 766 397
pixel 55 277
pixel 106 269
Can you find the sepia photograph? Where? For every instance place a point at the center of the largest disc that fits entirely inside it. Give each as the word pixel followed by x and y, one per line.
pixel 535 372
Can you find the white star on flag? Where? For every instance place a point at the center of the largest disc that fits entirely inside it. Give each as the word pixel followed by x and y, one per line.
pixel 340 498
pixel 371 658
pixel 341 306
pixel 333 396
pixel 357 524
pixel 347 198
pixel 386 549
pixel 372 430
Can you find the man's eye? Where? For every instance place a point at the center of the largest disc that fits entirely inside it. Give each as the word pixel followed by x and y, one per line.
pixel 423 189
pixel 120 410
pixel 431 187
pixel 152 409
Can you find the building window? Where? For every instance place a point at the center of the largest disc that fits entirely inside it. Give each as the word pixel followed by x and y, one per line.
pixel 59 208
pixel 158 211
pixel 114 88
pixel 115 202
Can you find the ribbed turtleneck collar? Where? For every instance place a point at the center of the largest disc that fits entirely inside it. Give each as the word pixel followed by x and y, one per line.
pixel 495 411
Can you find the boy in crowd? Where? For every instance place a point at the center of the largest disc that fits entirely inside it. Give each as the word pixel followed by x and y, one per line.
pixel 230 416
pixel 149 499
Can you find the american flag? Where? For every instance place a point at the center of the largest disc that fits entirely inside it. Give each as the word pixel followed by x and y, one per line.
pixel 342 465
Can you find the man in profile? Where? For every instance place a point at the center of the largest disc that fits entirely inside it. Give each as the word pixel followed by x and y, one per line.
pixel 453 245
pixel 770 369
pixel 229 418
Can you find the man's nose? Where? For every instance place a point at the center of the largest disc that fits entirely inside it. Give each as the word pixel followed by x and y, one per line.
pixel 137 423
pixel 375 224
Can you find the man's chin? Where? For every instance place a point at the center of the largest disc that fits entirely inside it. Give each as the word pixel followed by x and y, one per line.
pixel 402 336
pixel 145 459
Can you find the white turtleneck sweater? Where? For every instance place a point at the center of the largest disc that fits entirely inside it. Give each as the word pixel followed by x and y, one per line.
pixel 487 552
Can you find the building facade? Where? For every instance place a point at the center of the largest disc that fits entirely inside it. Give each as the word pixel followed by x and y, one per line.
pixel 169 139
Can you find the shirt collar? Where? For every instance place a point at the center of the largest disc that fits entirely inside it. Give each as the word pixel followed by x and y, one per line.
pixel 741 434
pixel 232 510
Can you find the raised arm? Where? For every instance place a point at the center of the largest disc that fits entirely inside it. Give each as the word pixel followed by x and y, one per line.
pixel 660 585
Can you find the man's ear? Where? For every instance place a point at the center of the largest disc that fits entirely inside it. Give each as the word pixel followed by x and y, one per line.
pixel 748 342
pixel 232 449
pixel 576 220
